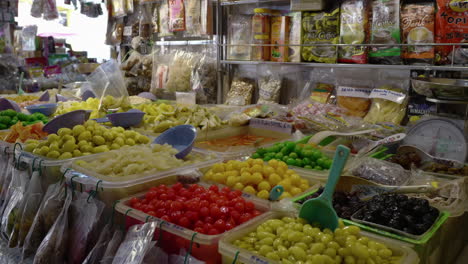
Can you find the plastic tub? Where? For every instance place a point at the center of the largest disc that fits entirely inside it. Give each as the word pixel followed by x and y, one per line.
pixel 229 251
pixel 114 188
pixel 425 245
pixel 175 237
pixel 236 152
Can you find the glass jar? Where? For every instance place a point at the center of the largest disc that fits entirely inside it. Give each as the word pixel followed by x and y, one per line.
pixel 261 34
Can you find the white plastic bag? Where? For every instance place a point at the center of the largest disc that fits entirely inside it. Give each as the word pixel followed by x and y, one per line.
pixel 84 216
pixel 269 85
pixel 137 242
pixel 99 249
pixel 156 255
pixel 181 258
pixel 112 247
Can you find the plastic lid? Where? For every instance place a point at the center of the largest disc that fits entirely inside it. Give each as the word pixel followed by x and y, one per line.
pixel 262 10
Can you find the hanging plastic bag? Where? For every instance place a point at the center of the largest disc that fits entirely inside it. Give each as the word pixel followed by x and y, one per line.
pixel 50 10
pixel 112 247
pixel 53 248
pixel 203 81
pixel 269 85
pixel 164 20
pixel 160 73
pixel 37 8
pixel 156 255
pixel 241 91
pixel 6 178
pixel 97 252
pixel 84 216
pixel 180 72
pixel 109 85
pixel 183 258
pixel 14 197
pixel 48 212
pixel 137 242
pixel 28 209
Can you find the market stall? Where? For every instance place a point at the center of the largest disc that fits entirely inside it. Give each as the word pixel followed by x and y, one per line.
pixel 247 131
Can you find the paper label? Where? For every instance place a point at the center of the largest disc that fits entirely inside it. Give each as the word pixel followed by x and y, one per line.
pixel 393 96
pixel 353 92
pixel 274 125
pixel 127 31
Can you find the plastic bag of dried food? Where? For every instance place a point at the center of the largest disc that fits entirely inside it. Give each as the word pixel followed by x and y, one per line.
pixel 97 252
pixel 84 216
pixel 193 17
pixel 52 248
pixel 13 199
pixel 354 99
pixel 321 28
pixel 176 15
pixel 28 210
pixel 50 10
pixel 160 72
pixel 180 71
pixel 112 247
pixel 164 20
pixel 354 19
pixel 388 105
pixel 239 32
pixel 135 245
pixel 48 212
pixel 241 92
pixel 203 80
pixel 380 171
pixel 269 85
pixel 118 8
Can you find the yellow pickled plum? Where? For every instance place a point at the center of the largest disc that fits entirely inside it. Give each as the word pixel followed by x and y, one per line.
pixel 293 240
pixel 255 177
pixel 83 140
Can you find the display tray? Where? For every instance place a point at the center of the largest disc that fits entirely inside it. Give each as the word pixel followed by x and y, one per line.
pixel 229 251
pixel 175 237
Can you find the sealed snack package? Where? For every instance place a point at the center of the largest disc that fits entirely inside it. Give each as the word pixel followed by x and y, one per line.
pixel 135 245
pixel 355 100
pixel 451 27
pixel 112 247
pixel 417 25
pixel 97 252
pixel 320 28
pixel 239 33
pixel 176 15
pixel 354 30
pixel 129 6
pixel 84 216
pixel 203 81
pixel 50 11
pixel 294 52
pixel 193 17
pixel 48 212
pixel 269 85
pixel 119 8
pixel 28 210
pixel 13 199
pixel 388 105
pixel 385 29
pixel 241 92
pixel 380 171
pixel 164 20
pixel 52 248
pixel 180 72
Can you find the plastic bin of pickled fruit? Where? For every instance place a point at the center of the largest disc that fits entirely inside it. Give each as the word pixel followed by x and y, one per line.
pixel 302 157
pixel 418 223
pixel 279 237
pixel 119 173
pixel 256 178
pixel 68 145
pixel 237 142
pixel 185 212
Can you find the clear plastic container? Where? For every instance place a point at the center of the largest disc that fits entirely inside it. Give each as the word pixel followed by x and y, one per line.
pixel 229 251
pixel 110 190
pixel 175 237
pixel 236 152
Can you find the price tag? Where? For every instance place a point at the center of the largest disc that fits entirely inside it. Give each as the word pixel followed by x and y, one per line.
pixel 353 92
pixel 127 31
pixel 393 96
pixel 269 124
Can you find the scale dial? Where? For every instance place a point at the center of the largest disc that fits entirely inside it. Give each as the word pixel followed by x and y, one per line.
pixel 438 137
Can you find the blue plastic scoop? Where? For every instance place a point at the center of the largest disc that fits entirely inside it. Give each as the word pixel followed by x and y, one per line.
pixel 180 137
pixel 320 210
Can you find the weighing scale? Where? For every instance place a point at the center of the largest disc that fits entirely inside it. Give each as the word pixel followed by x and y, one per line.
pixel 439 137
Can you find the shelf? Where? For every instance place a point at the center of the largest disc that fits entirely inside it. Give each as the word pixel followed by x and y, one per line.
pixel 245 2
pixel 441 101
pixel 362 66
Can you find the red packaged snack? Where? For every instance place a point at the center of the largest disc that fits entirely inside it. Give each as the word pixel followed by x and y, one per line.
pixel 452 27
pixel 176 15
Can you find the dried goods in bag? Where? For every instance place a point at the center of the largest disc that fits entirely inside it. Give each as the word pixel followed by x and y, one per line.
pixel 320 28
pixel 119 8
pixel 180 71
pixel 136 243
pixel 28 210
pixel 241 92
pixel 388 105
pixel 417 26
pixel 385 29
pixel 354 99
pixel 164 29
pixel 84 216
pixel 239 33
pixel 451 27
pixel 203 80
pixel 354 30
pixel 269 85
pixel 294 52
pixel 48 212
pixel 53 248
pixel 193 17
pixel 176 15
